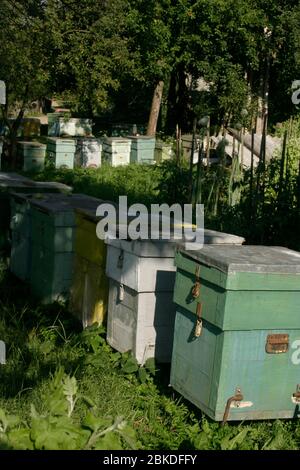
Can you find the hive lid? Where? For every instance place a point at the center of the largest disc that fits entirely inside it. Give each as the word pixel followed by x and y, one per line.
pixel 165 248
pixel 116 139
pixel 141 137
pixel 250 259
pixel 61 140
pixel 6 178
pixel 54 203
pixel 32 144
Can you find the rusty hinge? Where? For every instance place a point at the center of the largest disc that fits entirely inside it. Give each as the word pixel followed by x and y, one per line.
pixel 296 395
pixel 197 285
pixel 198 328
pixel 277 344
pixel 238 397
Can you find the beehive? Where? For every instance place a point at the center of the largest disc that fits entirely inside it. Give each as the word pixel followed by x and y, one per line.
pixel 141 313
pixel 88 152
pixel 73 127
pixel 31 127
pixel 21 229
pixel 53 124
pixel 116 151
pixel 236 350
pixel 32 155
pixel 12 182
pixel 61 152
pixel 53 226
pixel 163 151
pixel 89 291
pixel 142 149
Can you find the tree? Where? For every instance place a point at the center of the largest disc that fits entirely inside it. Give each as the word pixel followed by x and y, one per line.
pixel 23 62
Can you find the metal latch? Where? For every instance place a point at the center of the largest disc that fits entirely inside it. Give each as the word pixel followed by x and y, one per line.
pixel 238 397
pixel 120 260
pixel 121 293
pixel 197 285
pixel 198 328
pixel 277 344
pixel 296 395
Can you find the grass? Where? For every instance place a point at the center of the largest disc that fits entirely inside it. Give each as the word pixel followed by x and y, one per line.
pixel 43 340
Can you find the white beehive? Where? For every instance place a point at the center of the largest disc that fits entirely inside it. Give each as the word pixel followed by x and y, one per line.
pixel 88 152
pixel 116 151
pixel 141 312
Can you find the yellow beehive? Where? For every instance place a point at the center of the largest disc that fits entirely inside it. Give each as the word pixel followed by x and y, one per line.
pixel 89 292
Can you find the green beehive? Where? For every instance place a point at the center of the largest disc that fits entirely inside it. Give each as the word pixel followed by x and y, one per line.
pixel 53 226
pixel 12 182
pixel 61 152
pixel 32 155
pixel 236 351
pixel 163 151
pixel 19 219
pixel 142 149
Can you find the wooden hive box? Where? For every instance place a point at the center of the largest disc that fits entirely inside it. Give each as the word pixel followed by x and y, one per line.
pixel 21 226
pixel 32 155
pixel 141 312
pixel 53 225
pixel 163 151
pixel 142 149
pixel 73 127
pixel 89 291
pixel 88 152
pixel 116 151
pixel 244 362
pixel 13 182
pixel 61 152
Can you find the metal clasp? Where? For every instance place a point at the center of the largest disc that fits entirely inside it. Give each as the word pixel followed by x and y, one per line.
pixel 238 397
pixel 198 328
pixel 120 260
pixel 197 285
pixel 296 395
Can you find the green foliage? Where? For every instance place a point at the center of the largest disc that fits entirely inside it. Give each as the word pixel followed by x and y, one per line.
pixel 84 395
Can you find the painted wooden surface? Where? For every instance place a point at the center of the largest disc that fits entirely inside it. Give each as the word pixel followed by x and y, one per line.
pixel 141 311
pixel 163 151
pixel 142 149
pixel 60 152
pixel 32 155
pixel 74 127
pixel 12 182
pixel 51 248
pixel 208 370
pixel 89 292
pixel 231 351
pixel 140 322
pixel 116 151
pixel 88 152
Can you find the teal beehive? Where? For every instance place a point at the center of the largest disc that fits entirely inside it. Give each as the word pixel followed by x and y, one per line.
pixel 52 232
pixel 13 182
pixel 60 152
pixel 32 155
pixel 21 225
pixel 142 149
pixel 236 350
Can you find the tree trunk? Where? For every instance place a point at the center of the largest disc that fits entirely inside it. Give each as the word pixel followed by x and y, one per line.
pixel 155 108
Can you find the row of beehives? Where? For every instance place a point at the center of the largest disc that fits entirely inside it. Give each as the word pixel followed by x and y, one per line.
pixel 90 152
pixel 229 325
